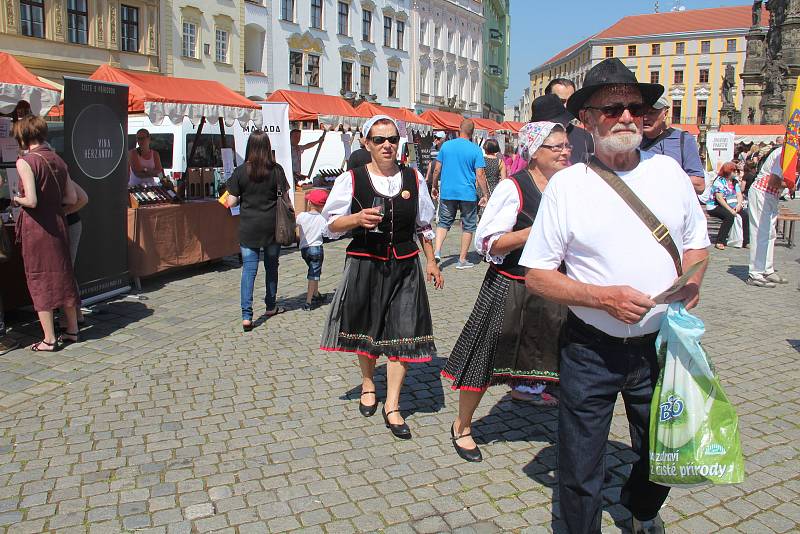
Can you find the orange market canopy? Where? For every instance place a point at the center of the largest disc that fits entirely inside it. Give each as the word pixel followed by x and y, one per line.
pixel 754 133
pixel 512 126
pixel 328 109
pixel 487 125
pixel 442 120
pixel 18 83
pixel 175 98
pixel 688 128
pixel 400 114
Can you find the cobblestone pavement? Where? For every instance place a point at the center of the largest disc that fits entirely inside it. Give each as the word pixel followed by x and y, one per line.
pixel 169 419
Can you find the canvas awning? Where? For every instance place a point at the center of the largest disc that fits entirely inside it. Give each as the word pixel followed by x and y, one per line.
pixel 411 119
pixel 754 133
pixel 18 83
pixel 442 120
pixel 487 125
pixel 328 109
pixel 511 126
pixel 175 98
pixel 688 128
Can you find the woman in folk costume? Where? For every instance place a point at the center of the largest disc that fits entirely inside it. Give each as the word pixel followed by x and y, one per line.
pixel 511 337
pixel 381 306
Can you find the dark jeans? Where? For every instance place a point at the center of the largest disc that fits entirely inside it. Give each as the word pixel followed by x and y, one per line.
pixel 728 219
pixel 594 370
pixel 250 257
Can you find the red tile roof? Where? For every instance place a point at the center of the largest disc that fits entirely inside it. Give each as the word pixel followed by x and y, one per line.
pixel 695 20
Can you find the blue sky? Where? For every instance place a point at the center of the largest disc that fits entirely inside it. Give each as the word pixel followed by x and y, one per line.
pixel 540 29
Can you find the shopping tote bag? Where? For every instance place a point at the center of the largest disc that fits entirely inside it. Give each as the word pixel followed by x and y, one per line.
pixel 694 432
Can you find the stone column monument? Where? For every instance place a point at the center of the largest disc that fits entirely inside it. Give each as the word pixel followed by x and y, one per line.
pixel 752 79
pixel 782 62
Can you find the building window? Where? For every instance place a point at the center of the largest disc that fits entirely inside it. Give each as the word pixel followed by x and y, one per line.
pixel 731 45
pixel 654 76
pixel 316 14
pixel 703 78
pixel 609 51
pixel 655 49
pixel 423 81
pixel 701 111
pixel 189 40
pixel 705 47
pixel 680 48
pixel 631 50
pixel 313 70
pixel 387 31
pixel 296 68
pixel 31 17
pixel 676 112
pixel 347 76
pixel 437 35
pixel 423 25
pixel 287 10
pixel 392 84
pixel 678 77
pixel 77 25
pixel 222 46
pixel 401 32
pixel 450 41
pixel 437 82
pixel 366 26
pixel 129 28
pixel 365 79
pixel 343 27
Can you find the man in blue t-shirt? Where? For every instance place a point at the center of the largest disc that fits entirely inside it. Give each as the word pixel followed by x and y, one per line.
pixel 460 165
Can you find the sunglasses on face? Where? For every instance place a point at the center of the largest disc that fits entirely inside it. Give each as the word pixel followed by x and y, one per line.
pixel 379 139
pixel 615 111
pixel 558 149
pixel 140 138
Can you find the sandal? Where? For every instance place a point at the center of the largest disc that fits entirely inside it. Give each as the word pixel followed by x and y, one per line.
pixel 277 310
pixel 719 246
pixel 68 338
pixel 54 347
pixel 247 326
pixel 545 399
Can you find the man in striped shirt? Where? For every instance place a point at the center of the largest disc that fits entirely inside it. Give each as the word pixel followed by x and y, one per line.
pixel 762 202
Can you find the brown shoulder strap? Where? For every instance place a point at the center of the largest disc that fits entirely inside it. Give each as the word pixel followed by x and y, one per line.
pixel 656 227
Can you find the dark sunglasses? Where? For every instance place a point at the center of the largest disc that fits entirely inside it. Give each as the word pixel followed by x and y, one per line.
pixel 379 139
pixel 140 138
pixel 615 111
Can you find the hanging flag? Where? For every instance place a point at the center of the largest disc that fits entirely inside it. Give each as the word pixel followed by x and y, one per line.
pixel 791 144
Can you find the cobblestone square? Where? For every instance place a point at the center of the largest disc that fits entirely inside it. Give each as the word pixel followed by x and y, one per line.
pixel 169 419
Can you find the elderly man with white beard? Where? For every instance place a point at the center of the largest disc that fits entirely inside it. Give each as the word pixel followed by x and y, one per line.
pixel 615 264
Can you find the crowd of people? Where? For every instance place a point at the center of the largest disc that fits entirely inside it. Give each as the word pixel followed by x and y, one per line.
pixel 561 302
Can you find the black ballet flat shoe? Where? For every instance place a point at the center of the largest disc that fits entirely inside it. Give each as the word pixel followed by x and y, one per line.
pixel 400 431
pixel 247 327
pixel 368 411
pixel 470 455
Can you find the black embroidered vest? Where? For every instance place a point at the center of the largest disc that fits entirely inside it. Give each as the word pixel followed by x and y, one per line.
pixel 530 197
pixel 399 223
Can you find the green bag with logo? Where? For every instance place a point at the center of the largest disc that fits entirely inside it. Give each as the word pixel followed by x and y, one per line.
pixel 694 430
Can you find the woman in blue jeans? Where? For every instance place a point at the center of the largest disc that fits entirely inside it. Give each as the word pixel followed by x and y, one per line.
pixel 254 187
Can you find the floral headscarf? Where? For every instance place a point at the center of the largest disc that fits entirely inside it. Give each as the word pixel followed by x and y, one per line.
pixel 532 135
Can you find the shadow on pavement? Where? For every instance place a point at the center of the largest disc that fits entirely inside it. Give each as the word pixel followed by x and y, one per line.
pixel 543 469
pixel 516 421
pixel 739 271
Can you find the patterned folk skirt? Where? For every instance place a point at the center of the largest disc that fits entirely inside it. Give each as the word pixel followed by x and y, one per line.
pixel 381 308
pixel 511 337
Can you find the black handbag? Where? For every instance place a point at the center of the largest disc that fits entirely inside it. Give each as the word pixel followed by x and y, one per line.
pixel 285 220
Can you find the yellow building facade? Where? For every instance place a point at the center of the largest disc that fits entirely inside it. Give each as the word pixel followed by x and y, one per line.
pixel 56 38
pixel 687 52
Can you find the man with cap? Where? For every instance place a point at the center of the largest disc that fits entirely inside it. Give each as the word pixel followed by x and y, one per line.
pixel 673 142
pixel 549 108
pixel 614 267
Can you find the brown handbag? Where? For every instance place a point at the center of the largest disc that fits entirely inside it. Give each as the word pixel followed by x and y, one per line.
pixel 285 220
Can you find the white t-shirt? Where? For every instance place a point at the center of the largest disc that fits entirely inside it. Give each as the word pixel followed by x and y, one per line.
pixel 311 224
pixel 583 222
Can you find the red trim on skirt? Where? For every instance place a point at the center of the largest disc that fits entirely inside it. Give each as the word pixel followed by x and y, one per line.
pixel 405 359
pixel 462 388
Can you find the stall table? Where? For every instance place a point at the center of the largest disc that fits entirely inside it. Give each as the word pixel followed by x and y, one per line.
pixel 175 235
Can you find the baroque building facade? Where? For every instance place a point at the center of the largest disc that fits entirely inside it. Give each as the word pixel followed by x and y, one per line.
pixel 357 49
pixel 496 57
pixel 56 38
pixel 448 57
pixel 692 53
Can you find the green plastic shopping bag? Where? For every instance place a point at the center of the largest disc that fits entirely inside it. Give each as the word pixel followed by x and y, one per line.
pixel 694 431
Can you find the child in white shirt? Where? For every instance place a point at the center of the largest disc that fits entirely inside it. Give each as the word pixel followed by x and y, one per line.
pixel 311 225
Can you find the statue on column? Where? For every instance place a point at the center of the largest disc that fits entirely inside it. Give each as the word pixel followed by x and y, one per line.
pixel 728 82
pixel 775 72
pixel 757 12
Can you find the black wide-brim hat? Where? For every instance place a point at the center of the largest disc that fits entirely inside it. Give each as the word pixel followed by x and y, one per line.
pixel 611 71
pixel 549 108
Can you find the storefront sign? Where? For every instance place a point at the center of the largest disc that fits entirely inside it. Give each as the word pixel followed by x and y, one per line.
pixel 95 125
pixel 720 148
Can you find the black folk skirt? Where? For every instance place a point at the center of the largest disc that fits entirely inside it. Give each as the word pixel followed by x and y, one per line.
pixel 381 308
pixel 511 337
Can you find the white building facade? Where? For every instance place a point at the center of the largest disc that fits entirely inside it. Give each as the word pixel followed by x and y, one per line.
pixel 203 40
pixel 358 49
pixel 448 56
pixel 257 28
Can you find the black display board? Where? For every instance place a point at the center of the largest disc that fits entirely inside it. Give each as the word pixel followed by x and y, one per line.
pixel 95 148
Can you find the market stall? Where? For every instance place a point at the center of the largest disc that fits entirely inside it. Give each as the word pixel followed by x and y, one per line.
pixel 442 120
pixel 406 118
pixel 17 85
pixel 754 133
pixel 165 234
pixel 326 111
